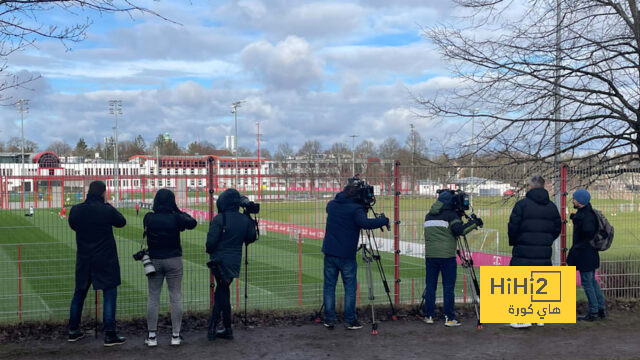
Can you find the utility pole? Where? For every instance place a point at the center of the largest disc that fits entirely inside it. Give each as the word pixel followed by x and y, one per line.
pixel 115 108
pixel 473 153
pixel 234 110
pixel 259 163
pixel 23 108
pixel 557 117
pixel 353 154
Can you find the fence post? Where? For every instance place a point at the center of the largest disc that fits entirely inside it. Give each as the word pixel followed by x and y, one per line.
pixel 19 284
pixel 563 214
pixel 210 161
pixel 299 269
pixel 396 231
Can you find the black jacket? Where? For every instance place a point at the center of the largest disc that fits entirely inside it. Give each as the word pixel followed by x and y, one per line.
pixel 533 226
pixel 345 218
pixel 96 255
pixel 582 255
pixel 228 231
pixel 164 224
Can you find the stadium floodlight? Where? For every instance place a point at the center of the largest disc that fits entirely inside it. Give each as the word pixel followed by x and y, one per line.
pixel 115 108
pixel 473 151
pixel 234 110
pixel 353 154
pixel 23 108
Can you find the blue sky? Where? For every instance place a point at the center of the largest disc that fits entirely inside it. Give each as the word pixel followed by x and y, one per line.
pixel 319 70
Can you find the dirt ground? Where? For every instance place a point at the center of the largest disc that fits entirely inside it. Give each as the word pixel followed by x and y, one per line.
pixel 297 337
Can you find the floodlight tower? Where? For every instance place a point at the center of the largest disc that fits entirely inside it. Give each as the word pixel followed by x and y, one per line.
pixel 23 108
pixel 234 110
pixel 115 108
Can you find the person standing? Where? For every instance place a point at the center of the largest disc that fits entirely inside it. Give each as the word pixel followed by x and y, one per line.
pixel 96 260
pixel 533 226
pixel 584 256
pixel 442 227
pixel 162 228
pixel 137 208
pixel 228 231
pixel 345 217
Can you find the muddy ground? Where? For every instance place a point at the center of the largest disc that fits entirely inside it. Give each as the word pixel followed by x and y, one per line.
pixel 295 336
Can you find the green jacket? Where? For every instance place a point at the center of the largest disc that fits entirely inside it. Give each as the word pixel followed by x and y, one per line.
pixel 442 226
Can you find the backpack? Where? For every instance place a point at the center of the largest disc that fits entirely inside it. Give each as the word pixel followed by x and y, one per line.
pixel 604 236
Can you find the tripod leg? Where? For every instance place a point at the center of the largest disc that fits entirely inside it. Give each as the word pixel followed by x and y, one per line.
pixel 374 325
pixel 246 269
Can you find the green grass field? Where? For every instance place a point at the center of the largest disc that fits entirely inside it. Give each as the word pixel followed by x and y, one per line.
pixel 47 258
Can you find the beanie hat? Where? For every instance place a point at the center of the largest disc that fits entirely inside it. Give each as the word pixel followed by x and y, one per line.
pixel 582 196
pixel 445 197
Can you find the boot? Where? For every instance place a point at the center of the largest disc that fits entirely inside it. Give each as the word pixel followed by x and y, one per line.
pixel 602 314
pixel 211 331
pixel 589 317
pixel 227 334
pixel 111 338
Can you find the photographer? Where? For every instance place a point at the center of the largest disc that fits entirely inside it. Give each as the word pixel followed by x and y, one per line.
pixel 162 228
pixel 228 231
pixel 96 260
pixel 346 215
pixel 442 226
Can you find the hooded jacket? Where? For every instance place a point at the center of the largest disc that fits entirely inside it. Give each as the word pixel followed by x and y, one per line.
pixel 228 231
pixel 164 224
pixel 442 226
pixel 96 255
pixel 345 218
pixel 533 226
pixel 585 226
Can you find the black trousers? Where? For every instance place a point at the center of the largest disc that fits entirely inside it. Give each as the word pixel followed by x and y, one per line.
pixel 221 303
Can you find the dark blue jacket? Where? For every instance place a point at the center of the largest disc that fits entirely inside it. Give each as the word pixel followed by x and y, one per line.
pixel 345 218
pixel 164 224
pixel 585 226
pixel 533 226
pixel 96 255
pixel 228 231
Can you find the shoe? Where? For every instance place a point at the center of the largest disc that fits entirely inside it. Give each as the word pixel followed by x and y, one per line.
pixel 602 314
pixel 451 323
pixel 354 325
pixel 589 317
pixel 151 341
pixel 520 325
pixel 428 319
pixel 540 324
pixel 75 335
pixel 111 338
pixel 176 340
pixel 330 325
pixel 226 334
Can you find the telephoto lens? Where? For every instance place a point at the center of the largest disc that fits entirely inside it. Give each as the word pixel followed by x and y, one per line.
pixel 149 269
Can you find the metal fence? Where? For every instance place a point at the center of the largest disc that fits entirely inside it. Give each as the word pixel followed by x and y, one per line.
pixel 37 247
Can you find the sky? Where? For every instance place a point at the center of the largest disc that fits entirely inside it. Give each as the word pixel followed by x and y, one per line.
pixel 306 70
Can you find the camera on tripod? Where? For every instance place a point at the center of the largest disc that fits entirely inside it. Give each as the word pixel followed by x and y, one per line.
pixel 364 192
pixel 249 206
pixel 459 199
pixel 147 265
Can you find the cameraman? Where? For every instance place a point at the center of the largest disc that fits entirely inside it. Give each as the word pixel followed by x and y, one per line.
pixel 96 260
pixel 228 231
pixel 162 228
pixel 442 226
pixel 345 217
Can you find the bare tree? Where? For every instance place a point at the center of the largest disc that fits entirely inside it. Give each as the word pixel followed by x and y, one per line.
pixel 283 155
pixel 310 152
pixel 61 148
pixel 15 144
pixel 571 71
pixel 23 22
pixel 200 148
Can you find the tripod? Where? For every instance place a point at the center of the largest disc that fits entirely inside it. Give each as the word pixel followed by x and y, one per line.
pixel 466 260
pixel 371 253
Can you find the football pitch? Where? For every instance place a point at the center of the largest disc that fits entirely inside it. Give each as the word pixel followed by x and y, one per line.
pixel 37 259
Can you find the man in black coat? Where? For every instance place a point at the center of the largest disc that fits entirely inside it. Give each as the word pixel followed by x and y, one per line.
pixel 584 256
pixel 533 226
pixel 96 260
pixel 228 231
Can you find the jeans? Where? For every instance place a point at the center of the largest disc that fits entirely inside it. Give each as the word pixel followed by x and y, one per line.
pixel 448 267
pixel 109 297
pixel 349 269
pixel 592 290
pixel 221 302
pixel 171 269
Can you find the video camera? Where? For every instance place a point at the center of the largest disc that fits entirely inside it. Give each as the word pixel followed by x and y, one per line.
pixel 460 199
pixel 249 206
pixel 364 193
